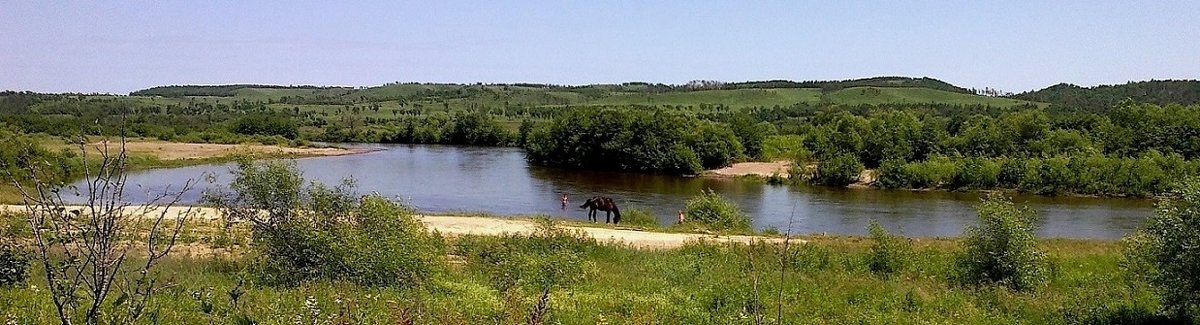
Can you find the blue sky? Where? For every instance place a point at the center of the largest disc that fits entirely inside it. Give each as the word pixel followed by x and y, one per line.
pixel 115 46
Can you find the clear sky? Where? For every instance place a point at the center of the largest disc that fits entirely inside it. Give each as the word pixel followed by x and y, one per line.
pixel 117 46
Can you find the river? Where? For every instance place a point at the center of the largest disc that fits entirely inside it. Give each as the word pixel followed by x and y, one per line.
pixel 436 178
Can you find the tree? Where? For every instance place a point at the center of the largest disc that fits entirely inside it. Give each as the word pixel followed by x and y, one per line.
pixel 751 134
pixel 84 249
pixel 839 171
pixel 1002 249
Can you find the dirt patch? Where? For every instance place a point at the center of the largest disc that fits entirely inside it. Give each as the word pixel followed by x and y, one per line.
pixel 754 168
pixel 180 151
pixel 449 225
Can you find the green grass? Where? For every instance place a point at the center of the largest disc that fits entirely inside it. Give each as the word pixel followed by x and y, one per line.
pixel 825 281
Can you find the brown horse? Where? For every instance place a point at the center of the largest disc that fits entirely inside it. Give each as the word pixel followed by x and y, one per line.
pixel 603 204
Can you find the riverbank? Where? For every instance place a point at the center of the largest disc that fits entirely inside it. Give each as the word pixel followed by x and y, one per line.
pixel 454 226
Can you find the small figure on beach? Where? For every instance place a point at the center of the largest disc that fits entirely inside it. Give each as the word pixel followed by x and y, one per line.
pixel 564 201
pixel 681 219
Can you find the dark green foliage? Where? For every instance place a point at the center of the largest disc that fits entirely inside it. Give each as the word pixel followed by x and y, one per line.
pixel 14 264
pixel 1090 174
pixel 833 85
pixel 265 124
pixel 751 133
pixel 714 212
pixel 217 90
pixel 714 144
pixel 892 174
pixel 326 233
pixel 1166 251
pixel 1002 249
pixel 839 171
pixel 632 140
pixel 1104 97
pixel 889 254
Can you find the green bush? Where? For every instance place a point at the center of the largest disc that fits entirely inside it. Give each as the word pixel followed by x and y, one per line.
pixel 639 217
pixel 975 172
pixel 889 253
pixel 1002 248
pixel 325 232
pixel 892 174
pixel 841 170
pixel 1166 251
pixel 14 264
pixel 716 213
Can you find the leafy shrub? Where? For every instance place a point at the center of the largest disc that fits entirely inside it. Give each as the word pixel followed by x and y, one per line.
pixel 1002 248
pixel 639 217
pixel 14 264
pixel 715 212
pixel 325 232
pixel 889 253
pixel 892 174
pixel 1166 251
pixel 841 170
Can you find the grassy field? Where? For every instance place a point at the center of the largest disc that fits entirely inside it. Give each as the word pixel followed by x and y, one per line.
pixel 824 281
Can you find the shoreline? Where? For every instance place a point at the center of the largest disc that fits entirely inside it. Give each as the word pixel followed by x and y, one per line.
pixel 453 225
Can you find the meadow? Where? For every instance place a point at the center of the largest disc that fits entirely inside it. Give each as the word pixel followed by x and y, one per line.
pixel 826 280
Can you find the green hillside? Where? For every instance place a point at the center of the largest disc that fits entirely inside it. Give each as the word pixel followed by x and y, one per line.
pixel 791 96
pixel 868 91
pixel 880 96
pixel 1104 97
pixel 730 97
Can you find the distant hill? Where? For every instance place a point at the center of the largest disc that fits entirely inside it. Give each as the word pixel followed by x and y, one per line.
pixel 1104 97
pixel 212 90
pixel 835 85
pixel 870 91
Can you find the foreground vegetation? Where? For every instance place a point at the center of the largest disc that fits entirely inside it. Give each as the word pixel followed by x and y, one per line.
pixel 293 252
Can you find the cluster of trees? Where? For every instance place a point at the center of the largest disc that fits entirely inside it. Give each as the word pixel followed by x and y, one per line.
pixel 465 128
pixel 1104 97
pixel 1134 149
pixel 652 141
pixel 1145 175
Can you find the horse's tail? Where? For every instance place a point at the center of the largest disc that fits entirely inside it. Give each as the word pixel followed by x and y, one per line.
pixel 616 214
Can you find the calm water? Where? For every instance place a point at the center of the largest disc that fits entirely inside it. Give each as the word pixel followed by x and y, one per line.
pixel 498 180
